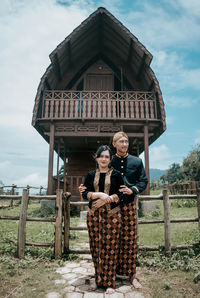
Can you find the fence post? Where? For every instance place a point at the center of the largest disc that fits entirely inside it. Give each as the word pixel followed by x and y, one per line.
pixel 166 205
pixel 58 231
pixel 12 193
pixel 67 196
pixel 198 205
pixel 22 225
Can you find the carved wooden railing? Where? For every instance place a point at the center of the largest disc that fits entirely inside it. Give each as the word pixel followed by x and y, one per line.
pixel 99 105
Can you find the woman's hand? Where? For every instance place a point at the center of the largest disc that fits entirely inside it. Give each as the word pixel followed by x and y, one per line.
pixel 81 188
pixel 102 200
pixel 125 190
pixel 98 203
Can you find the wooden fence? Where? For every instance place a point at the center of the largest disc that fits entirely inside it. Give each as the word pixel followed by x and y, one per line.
pixel 189 187
pixel 63 205
pixel 13 189
pixel 165 197
pixel 58 219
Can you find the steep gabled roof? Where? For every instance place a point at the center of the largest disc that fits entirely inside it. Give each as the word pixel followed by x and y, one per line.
pixel 100 34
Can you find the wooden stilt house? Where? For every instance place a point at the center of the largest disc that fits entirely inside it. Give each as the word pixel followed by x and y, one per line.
pixel 99 82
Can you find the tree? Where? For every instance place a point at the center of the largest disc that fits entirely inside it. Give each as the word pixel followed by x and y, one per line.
pixel 191 165
pixel 173 174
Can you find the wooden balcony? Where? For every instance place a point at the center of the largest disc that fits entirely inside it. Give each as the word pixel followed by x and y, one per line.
pixel 99 105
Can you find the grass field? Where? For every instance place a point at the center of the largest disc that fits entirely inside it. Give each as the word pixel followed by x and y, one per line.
pixel 164 277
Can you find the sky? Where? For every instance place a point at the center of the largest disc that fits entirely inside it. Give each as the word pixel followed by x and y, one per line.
pixel 31 30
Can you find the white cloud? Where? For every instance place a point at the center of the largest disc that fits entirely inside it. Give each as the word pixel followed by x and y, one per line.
pixel 172 72
pixel 159 157
pixel 34 179
pixel 164 28
pixel 181 102
pixel 191 7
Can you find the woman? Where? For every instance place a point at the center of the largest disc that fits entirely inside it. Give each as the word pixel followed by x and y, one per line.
pixel 104 218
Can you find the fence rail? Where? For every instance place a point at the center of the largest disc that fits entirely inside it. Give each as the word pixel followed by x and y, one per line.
pixel 63 204
pixel 165 197
pixel 58 219
pixel 13 188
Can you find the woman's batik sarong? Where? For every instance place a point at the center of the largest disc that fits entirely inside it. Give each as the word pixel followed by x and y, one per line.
pixel 104 232
pixel 128 241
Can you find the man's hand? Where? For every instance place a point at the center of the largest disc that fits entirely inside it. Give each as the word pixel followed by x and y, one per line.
pixel 125 190
pixel 82 188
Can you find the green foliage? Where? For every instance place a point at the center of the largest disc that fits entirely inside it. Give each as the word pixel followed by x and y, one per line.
pixel 188 171
pixel 184 260
pixel 173 174
pixel 167 286
pixel 191 165
pixel 179 203
pixel 156 185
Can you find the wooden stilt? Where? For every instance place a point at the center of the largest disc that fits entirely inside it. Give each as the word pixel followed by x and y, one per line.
pixel 146 155
pixel 64 172
pixel 58 156
pixel 198 206
pixel 50 167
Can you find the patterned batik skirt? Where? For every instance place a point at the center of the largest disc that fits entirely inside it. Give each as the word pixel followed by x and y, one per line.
pixel 128 241
pixel 104 234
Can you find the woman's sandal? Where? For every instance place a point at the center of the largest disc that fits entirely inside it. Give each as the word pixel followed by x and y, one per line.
pixel 110 291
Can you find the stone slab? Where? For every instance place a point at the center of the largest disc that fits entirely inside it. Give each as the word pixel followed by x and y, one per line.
pixel 134 294
pixel 74 295
pixel 53 295
pixel 60 281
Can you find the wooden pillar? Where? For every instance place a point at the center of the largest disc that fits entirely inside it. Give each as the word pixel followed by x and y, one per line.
pixel 146 156
pixel 198 206
pixel 12 193
pixel 66 221
pixel 58 232
pixel 58 156
pixel 166 205
pixel 64 171
pixel 22 225
pixel 50 166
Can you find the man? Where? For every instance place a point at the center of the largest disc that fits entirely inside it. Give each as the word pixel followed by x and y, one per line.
pixel 135 181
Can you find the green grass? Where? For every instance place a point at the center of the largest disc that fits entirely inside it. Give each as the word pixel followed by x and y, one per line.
pixel 164 277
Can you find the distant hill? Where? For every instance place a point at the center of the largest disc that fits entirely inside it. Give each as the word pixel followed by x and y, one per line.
pixel 155 174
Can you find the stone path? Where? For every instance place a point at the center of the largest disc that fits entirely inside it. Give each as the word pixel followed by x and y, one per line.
pixel 76 277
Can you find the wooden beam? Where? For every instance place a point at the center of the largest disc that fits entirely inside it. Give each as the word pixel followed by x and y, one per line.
pixel 142 66
pixel 94 134
pixel 69 53
pixel 47 84
pixel 146 155
pixel 50 166
pixel 58 156
pixel 151 86
pixel 64 170
pixel 56 66
pixel 130 53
